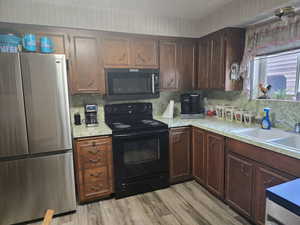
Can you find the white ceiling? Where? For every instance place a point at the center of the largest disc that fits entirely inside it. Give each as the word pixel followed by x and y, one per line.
pixel 186 9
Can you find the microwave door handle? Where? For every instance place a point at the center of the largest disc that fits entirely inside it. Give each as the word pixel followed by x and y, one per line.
pixel 153 83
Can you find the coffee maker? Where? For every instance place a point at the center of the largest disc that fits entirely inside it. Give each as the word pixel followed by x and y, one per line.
pixel 91 115
pixel 192 106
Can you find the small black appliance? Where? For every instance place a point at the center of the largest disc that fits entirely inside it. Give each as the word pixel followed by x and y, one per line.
pixel 77 119
pixel 192 106
pixel 91 115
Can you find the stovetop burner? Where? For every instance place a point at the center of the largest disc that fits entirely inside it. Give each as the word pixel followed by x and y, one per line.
pixel 131 117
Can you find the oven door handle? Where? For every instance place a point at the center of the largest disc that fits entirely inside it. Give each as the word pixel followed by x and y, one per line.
pixel 140 133
pixel 153 83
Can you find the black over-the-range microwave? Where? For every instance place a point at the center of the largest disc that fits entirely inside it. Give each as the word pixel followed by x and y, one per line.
pixel 130 84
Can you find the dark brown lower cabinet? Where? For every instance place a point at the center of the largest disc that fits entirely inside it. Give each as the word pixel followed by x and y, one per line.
pixel 215 156
pixel 239 184
pixel 265 178
pixel 199 155
pixel 208 160
pixel 180 154
pixel 93 168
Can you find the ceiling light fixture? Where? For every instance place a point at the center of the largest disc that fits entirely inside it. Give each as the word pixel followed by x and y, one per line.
pixel 285 11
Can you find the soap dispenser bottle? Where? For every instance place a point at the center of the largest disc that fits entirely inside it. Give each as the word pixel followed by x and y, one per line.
pixel 266 123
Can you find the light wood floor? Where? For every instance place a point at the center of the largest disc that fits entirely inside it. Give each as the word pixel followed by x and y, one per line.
pixel 182 204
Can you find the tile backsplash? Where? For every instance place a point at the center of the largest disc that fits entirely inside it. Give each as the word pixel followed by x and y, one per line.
pixel 287 111
pixel 280 110
pixel 159 104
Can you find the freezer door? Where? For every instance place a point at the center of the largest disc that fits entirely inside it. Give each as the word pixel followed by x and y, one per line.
pixel 46 102
pixel 31 186
pixel 13 138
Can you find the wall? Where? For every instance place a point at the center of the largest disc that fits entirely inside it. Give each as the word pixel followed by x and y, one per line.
pixel 280 110
pixel 240 13
pixel 47 13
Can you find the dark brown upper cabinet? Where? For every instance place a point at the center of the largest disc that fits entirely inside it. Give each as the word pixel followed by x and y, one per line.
pixel 216 53
pixel 116 52
pixel 86 65
pixel 130 52
pixel 144 53
pixel 177 64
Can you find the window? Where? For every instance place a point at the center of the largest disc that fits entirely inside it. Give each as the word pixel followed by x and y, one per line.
pixel 281 72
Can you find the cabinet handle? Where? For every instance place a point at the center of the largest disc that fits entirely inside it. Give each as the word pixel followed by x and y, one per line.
pixel 95 188
pixel 95 174
pixel 141 58
pixel 94 152
pixel 94 160
pixel 244 171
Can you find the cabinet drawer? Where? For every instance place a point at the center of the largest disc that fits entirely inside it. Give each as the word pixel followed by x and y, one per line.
pixel 93 158
pixel 95 175
pixel 96 189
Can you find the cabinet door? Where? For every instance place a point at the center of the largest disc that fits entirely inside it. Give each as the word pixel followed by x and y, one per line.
pixel 180 156
pixel 168 65
pixel 144 53
pixel 58 40
pixel 239 184
pixel 265 178
pixel 215 164
pixel 217 62
pixel 203 64
pixel 116 52
pixel 186 65
pixel 199 155
pixel 87 71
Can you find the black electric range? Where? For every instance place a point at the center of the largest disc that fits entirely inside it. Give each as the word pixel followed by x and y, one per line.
pixel 140 148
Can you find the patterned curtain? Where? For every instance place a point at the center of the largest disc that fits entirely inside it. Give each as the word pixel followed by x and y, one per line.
pixel 269 38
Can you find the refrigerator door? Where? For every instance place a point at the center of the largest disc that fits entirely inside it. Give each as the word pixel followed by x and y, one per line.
pixel 46 102
pixel 31 186
pixel 13 138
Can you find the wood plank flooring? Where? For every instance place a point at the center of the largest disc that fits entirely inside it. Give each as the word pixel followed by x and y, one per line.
pixel 182 204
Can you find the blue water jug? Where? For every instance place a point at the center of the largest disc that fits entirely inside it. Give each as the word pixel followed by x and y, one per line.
pixel 29 42
pixel 46 45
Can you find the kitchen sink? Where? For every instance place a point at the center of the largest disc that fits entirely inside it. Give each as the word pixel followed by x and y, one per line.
pixel 290 142
pixel 264 135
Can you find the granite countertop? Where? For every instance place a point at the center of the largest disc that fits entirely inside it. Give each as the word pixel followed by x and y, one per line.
pixel 82 131
pixel 225 128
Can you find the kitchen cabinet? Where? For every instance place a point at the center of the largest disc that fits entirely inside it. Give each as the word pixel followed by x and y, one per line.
pixel 250 171
pixel 215 156
pixel 265 178
pixel 168 65
pixel 208 157
pixel 144 53
pixel 177 64
pixel 130 52
pixel 180 154
pixel 59 42
pixel 116 52
pixel 187 65
pixel 239 184
pixel 93 168
pixel 199 155
pixel 86 65
pixel 216 53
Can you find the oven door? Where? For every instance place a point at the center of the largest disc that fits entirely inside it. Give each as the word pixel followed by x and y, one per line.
pixel 123 84
pixel 141 154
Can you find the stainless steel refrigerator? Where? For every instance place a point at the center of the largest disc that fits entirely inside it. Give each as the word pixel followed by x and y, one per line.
pixel 36 160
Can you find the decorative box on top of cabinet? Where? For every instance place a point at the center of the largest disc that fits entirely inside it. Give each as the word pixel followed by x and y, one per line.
pixel 93 168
